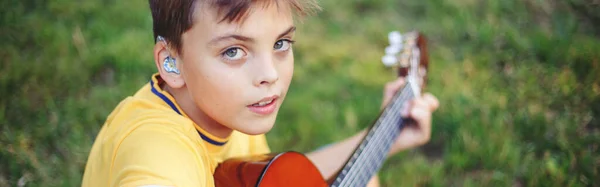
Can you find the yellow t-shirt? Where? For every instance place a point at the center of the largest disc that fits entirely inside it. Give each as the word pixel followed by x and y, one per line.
pixel 149 140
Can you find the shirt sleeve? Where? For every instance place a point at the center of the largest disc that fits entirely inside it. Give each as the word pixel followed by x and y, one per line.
pixel 259 145
pixel 158 155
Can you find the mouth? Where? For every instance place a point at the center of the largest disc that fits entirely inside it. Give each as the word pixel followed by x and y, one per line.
pixel 265 106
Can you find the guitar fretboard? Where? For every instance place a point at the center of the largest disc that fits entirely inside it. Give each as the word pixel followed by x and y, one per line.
pixel 372 151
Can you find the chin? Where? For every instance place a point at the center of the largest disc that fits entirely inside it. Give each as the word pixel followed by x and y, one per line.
pixel 257 127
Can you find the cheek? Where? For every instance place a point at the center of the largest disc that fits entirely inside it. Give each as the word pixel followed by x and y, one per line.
pixel 214 86
pixel 286 72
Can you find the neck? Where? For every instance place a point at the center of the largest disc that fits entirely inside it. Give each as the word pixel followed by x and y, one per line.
pixel 199 117
pixel 374 148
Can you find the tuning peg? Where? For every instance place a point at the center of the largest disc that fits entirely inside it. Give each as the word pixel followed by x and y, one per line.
pixel 393 49
pixel 389 60
pixel 395 38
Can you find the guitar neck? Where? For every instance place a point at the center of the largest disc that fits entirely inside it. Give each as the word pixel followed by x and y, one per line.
pixel 374 147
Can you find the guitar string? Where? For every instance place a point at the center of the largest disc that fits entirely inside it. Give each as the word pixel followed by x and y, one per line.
pixel 389 135
pixel 394 107
pixel 384 142
pixel 378 140
pixel 385 139
pixel 368 140
pixel 379 154
pixel 379 151
pixel 374 162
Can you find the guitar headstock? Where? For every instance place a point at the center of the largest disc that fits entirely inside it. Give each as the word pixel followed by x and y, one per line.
pixel 408 53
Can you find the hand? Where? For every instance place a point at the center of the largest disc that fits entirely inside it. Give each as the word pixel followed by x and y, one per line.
pixel 418 109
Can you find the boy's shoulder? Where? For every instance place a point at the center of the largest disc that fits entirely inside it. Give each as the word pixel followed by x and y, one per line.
pixel 139 126
pixel 138 112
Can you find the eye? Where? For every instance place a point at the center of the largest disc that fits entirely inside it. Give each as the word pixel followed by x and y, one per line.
pixel 234 53
pixel 283 45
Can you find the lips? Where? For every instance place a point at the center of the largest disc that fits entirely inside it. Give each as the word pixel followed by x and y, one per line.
pixel 265 106
pixel 262 103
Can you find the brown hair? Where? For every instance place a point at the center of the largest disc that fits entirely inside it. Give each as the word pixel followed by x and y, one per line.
pixel 171 18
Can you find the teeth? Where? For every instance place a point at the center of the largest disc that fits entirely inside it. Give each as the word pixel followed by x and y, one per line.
pixel 263 103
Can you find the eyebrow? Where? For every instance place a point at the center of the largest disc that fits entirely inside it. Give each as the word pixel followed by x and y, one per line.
pixel 247 39
pixel 290 30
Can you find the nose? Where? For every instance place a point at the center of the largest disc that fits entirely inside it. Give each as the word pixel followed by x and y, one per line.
pixel 266 72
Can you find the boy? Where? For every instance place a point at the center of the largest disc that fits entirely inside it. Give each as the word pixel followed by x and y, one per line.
pixel 224 68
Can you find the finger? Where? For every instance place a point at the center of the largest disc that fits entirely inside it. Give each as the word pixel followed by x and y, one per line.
pixel 399 81
pixel 421 102
pixel 431 100
pixel 390 90
pixel 374 182
pixel 417 102
pixel 405 111
pixel 422 116
pixel 392 87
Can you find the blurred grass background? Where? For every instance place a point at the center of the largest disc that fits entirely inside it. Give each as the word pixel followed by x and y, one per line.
pixel 518 82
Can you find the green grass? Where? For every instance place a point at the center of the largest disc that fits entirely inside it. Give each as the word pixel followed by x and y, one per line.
pixel 518 82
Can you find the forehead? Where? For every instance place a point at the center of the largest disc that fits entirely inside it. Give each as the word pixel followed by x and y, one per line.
pixel 242 12
pixel 262 23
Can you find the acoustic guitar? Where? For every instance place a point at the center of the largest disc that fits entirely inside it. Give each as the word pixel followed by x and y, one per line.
pixel 407 53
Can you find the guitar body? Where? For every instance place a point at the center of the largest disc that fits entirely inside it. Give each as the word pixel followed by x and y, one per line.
pixel 284 169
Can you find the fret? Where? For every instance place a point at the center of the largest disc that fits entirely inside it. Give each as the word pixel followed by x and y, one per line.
pixel 381 150
pixel 405 52
pixel 367 159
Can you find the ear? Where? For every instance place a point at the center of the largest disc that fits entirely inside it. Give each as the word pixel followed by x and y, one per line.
pixel 161 52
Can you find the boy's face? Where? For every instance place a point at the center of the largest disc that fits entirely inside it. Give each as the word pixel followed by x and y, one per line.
pixel 238 73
